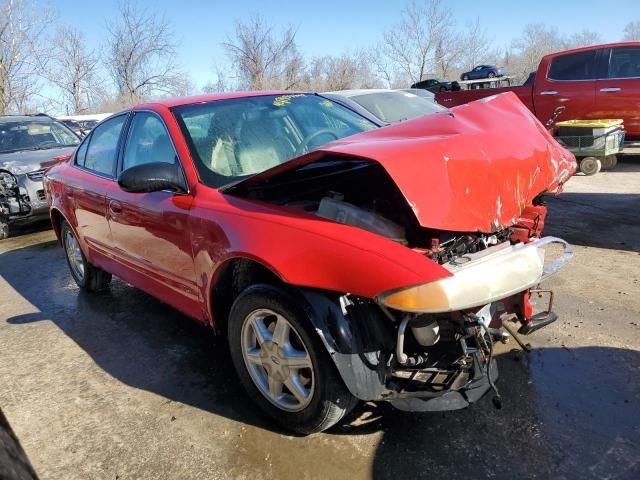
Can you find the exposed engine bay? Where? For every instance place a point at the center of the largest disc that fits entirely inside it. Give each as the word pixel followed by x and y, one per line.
pixel 13 203
pixel 332 189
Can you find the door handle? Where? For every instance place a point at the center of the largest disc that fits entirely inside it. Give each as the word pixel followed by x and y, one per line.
pixel 549 92
pixel 610 89
pixel 115 207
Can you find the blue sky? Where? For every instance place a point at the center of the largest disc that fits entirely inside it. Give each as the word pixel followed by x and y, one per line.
pixel 331 27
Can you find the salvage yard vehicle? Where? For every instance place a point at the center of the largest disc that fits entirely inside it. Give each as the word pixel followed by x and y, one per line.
pixel 28 145
pixel 482 71
pixel 386 106
pixel 601 81
pixel 434 85
pixel 343 261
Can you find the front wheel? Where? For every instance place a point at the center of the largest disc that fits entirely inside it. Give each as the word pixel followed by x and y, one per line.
pixel 492 75
pixel 88 277
pixel 590 165
pixel 282 363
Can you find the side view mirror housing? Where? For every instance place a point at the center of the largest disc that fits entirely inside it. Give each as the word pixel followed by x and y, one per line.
pixel 152 177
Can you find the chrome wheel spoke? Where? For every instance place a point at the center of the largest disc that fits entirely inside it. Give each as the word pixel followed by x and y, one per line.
pixel 275 388
pixel 260 330
pixel 296 388
pixel 254 356
pixel 281 332
pixel 298 360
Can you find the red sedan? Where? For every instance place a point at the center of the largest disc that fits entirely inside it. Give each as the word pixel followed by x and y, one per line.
pixel 343 261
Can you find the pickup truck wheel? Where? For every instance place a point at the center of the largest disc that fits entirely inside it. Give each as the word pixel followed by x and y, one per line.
pixel 590 165
pixel 88 277
pixel 282 363
pixel 609 162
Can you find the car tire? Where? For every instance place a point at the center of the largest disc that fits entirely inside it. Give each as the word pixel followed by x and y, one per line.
pixel 609 162
pixel 465 78
pixel 87 276
pixel 4 230
pixel 323 399
pixel 492 75
pixel 590 165
pixel 443 89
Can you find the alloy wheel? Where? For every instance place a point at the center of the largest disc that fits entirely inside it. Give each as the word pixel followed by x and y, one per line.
pixel 277 360
pixel 74 254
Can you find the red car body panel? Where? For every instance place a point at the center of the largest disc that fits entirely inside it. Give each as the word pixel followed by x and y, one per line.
pixel 174 245
pixel 582 99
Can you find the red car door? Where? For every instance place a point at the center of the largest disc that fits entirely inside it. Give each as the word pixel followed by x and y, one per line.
pixel 151 231
pixel 87 184
pixel 567 81
pixel 618 95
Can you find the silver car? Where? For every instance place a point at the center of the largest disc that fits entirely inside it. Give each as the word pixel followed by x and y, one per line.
pixel 28 146
pixel 385 106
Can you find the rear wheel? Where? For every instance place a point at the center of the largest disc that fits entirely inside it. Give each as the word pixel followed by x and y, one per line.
pixel 590 165
pixel 282 363
pixel 88 277
pixel 492 75
pixel 609 162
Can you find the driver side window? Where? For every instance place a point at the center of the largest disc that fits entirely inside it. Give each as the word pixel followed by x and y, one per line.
pixel 148 142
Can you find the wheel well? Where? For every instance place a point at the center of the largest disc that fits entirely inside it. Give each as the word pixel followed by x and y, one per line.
pixel 234 276
pixel 56 222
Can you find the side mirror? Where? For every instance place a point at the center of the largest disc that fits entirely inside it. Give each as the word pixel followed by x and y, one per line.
pixel 152 177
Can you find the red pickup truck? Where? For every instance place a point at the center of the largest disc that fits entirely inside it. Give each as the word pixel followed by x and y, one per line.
pixel 600 81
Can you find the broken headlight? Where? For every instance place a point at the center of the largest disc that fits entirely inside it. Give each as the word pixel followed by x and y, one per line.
pixel 480 278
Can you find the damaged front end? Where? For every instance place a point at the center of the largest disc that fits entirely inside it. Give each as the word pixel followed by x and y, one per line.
pixel 463 190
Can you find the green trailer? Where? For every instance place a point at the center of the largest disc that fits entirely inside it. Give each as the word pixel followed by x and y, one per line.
pixel 595 143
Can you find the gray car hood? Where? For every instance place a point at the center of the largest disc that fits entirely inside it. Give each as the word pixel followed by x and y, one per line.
pixel 26 161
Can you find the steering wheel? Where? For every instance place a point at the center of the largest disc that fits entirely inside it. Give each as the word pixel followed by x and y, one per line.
pixel 304 145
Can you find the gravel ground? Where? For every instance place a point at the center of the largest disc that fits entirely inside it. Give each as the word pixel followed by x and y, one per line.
pixel 119 386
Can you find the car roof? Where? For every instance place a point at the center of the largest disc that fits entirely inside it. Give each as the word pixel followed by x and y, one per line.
pixel 24 118
pixel 359 91
pixel 210 97
pixel 596 47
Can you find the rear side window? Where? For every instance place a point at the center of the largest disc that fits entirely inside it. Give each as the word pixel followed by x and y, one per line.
pixel 575 66
pixel 148 142
pixel 624 62
pixel 102 147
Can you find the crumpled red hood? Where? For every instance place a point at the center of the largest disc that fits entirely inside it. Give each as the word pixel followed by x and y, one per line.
pixel 473 169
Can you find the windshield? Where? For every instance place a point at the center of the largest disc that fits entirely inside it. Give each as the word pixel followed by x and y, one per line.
pixel 35 135
pixel 233 139
pixel 393 107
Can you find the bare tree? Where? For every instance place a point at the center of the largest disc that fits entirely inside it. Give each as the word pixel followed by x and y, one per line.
pixel 141 55
pixel 73 69
pixel 535 42
pixel 583 39
pixel 411 45
pixel 632 31
pixel 22 54
pixel 262 57
pixel 474 46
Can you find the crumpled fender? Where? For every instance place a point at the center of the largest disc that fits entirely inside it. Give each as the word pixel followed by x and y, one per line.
pixel 308 251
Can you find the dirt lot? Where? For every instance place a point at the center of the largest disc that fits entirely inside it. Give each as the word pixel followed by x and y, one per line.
pixel 119 386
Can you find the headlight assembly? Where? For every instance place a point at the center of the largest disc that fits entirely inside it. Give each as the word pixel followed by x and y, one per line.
pixel 484 277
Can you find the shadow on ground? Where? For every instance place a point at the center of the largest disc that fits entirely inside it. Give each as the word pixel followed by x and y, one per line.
pixel 567 412
pixel 604 220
